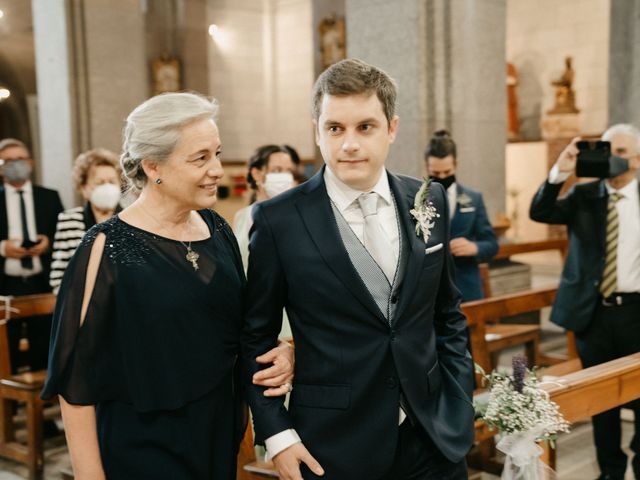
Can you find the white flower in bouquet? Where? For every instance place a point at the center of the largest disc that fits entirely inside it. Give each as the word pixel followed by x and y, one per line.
pixel 523 413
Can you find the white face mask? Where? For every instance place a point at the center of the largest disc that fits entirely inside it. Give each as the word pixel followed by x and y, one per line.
pixel 276 183
pixel 105 196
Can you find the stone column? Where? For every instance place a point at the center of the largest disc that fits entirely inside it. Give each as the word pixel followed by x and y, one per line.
pixel 624 62
pixel 391 35
pixel 54 96
pixel 449 60
pixel 91 71
pixel 193 40
pixel 479 96
pixel 117 71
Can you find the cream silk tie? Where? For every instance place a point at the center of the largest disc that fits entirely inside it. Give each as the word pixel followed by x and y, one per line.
pixel 375 240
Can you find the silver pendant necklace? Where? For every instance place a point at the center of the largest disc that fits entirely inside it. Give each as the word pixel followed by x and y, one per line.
pixel 192 256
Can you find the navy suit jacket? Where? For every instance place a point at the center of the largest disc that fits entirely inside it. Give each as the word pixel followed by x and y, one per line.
pixel 584 211
pixel 350 363
pixel 471 222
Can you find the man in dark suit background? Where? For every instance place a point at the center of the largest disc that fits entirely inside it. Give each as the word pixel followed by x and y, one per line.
pixel 599 293
pixel 383 376
pixel 473 239
pixel 28 216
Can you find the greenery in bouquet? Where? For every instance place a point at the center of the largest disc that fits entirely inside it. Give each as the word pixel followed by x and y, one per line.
pixel 516 403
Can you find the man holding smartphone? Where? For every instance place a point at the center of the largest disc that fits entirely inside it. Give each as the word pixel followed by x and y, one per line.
pixel 599 293
pixel 28 216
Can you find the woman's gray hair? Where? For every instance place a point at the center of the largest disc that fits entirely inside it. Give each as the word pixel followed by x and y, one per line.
pixel 154 127
pixel 623 129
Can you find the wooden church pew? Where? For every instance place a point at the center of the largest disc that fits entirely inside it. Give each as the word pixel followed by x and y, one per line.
pixel 590 391
pixel 24 387
pixel 489 337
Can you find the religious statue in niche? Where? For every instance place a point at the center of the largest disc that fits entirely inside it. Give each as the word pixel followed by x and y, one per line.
pixel 565 94
pixel 166 74
pixel 332 41
pixel 513 124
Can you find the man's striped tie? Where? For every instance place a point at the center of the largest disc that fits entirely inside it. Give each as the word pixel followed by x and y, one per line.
pixel 609 282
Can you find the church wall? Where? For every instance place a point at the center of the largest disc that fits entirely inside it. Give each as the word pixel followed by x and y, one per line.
pixel 525 170
pixel 261 71
pixel 540 35
pixel 294 76
pixel 236 74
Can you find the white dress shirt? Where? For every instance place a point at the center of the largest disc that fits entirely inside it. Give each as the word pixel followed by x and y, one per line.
pixel 628 207
pixel 345 199
pixel 628 262
pixel 452 196
pixel 12 266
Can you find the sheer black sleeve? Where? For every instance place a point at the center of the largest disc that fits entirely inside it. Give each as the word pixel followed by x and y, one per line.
pixel 83 359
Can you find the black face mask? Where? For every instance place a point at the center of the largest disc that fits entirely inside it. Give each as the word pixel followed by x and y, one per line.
pixel 446 182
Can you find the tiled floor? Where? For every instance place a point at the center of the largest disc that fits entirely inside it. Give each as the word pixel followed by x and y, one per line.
pixel 56 458
pixel 576 454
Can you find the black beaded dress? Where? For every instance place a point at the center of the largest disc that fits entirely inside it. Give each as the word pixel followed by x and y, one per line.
pixel 156 353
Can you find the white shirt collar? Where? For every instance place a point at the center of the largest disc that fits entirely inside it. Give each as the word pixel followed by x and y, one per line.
pixel 26 188
pixel 344 196
pixel 630 190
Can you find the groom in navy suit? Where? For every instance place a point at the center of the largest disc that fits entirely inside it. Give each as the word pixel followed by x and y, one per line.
pixel 383 378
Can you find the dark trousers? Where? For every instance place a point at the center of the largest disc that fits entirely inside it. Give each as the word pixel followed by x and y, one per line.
pixel 614 332
pixel 37 330
pixel 417 458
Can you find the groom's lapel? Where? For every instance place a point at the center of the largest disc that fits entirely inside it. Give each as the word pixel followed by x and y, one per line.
pixel 315 209
pixel 416 245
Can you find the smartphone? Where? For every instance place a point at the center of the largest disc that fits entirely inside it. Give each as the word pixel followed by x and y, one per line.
pixel 28 243
pixel 593 158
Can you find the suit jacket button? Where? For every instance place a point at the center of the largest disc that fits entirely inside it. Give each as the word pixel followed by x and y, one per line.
pixel 391 382
pixel 392 335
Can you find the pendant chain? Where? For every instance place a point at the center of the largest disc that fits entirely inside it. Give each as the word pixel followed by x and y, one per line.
pixel 191 256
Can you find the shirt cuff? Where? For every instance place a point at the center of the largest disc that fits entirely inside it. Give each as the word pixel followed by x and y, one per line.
pixel 281 441
pixel 556 176
pixel 3 248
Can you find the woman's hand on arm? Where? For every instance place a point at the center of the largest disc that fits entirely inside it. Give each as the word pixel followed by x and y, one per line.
pixel 279 376
pixel 82 439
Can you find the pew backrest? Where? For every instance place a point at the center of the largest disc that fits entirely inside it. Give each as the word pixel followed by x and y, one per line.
pixel 16 308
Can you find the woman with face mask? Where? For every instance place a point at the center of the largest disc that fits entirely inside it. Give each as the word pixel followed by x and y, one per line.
pixel 271 172
pixel 96 175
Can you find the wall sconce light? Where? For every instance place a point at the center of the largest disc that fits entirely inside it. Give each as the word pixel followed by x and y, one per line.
pixel 213 30
pixel 4 94
pixel 1 14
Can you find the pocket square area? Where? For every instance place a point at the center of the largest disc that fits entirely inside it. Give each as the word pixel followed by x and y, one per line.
pixel 435 248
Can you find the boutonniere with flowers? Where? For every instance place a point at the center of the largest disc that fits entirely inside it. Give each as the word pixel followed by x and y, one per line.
pixel 464 200
pixel 423 211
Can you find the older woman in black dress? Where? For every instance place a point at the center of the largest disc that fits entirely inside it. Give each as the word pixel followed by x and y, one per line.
pixel 146 330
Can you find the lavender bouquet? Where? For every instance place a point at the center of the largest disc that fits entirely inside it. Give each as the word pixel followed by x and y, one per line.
pixel 523 413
